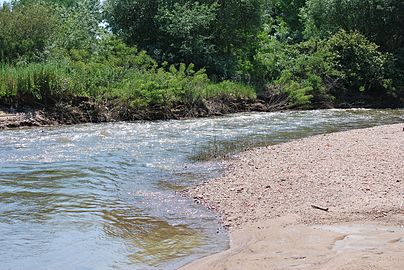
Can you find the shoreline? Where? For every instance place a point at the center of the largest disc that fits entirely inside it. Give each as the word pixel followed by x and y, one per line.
pixel 266 196
pixel 81 110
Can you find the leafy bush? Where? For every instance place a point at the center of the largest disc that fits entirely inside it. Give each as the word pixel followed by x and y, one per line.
pixel 346 69
pixel 305 71
pixel 161 88
pixel 367 72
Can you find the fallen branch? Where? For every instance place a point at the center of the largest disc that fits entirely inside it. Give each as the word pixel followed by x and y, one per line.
pixel 319 208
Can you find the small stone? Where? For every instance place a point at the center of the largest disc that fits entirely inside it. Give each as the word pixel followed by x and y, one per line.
pixel 198 197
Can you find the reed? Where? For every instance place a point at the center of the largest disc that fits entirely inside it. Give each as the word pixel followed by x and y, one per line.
pixel 37 80
pixel 223 149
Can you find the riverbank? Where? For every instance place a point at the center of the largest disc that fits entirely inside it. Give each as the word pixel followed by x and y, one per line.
pixel 273 199
pixel 85 110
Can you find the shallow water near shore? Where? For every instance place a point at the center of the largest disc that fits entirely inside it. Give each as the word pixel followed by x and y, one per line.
pixel 104 196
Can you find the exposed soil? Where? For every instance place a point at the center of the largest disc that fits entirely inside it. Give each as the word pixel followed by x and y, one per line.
pixel 85 110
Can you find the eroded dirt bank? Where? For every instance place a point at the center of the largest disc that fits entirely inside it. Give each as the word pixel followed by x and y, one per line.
pixel 85 110
pixel 273 199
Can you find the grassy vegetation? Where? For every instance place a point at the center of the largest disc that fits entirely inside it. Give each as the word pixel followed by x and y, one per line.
pixel 222 149
pixel 39 81
pixel 137 87
pixel 182 84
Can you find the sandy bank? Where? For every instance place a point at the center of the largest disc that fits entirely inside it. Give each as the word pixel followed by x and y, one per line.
pixel 266 198
pixel 282 244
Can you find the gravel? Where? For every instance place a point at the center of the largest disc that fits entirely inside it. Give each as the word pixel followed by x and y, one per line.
pixel 356 175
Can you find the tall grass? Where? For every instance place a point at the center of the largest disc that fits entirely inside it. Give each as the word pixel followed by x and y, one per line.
pixel 38 80
pixel 228 88
pixel 223 149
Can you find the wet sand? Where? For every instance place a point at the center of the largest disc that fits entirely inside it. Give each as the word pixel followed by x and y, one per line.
pixel 282 244
pixel 332 201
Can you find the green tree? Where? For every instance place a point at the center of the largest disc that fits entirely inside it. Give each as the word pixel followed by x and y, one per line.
pixel 25 31
pixel 78 27
pixel 381 21
pixel 65 3
pixel 211 33
pixel 134 21
pixel 304 71
pixel 186 28
pixel 288 12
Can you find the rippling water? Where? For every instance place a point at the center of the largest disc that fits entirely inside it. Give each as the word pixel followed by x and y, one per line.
pixel 103 196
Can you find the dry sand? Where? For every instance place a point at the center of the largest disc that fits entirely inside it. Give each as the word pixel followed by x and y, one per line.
pixel 266 198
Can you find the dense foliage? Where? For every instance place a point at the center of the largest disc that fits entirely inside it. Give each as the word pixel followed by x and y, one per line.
pixel 24 31
pixel 113 71
pixel 212 34
pixel 163 52
pixel 333 52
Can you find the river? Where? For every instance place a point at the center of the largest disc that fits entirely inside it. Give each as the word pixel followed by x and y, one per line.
pixel 103 196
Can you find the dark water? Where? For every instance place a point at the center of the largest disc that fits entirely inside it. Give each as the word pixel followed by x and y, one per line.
pixel 104 196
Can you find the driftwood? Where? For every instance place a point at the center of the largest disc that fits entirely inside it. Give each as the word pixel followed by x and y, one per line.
pixel 319 208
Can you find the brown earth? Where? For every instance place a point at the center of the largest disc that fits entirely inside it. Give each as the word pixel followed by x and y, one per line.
pixel 85 110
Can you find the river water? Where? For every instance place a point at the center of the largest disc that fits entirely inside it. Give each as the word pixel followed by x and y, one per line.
pixel 103 196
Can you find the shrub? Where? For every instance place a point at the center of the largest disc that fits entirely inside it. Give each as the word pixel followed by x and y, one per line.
pixel 165 88
pixel 304 71
pixel 366 71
